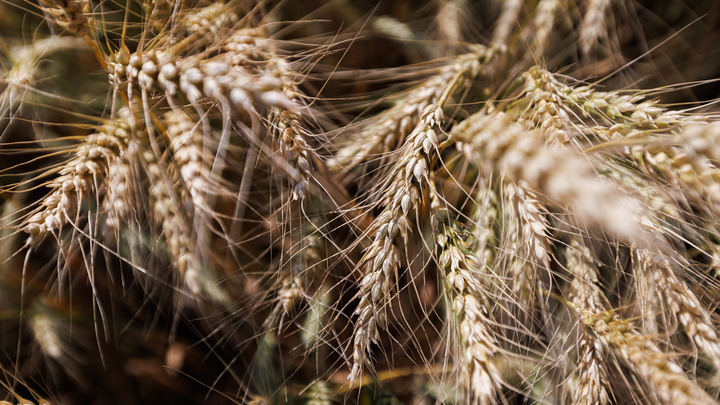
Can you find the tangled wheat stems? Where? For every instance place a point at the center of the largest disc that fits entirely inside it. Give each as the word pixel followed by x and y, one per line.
pixel 255 202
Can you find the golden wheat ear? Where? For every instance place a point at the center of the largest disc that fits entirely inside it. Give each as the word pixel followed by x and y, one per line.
pixel 79 179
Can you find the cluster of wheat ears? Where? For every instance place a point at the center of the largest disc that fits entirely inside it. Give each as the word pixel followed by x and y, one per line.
pixel 326 202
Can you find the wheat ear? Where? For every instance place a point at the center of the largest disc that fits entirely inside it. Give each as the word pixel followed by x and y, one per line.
pixel 83 174
pixel 529 245
pixel 685 304
pixel 389 128
pixel 593 28
pixel 382 259
pixel 667 379
pixel 470 307
pixel 508 18
pixel 70 15
pixel 546 15
pixel 175 228
pixel 558 173
pixel 592 385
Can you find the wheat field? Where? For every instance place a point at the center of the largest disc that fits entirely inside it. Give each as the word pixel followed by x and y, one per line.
pixel 352 201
